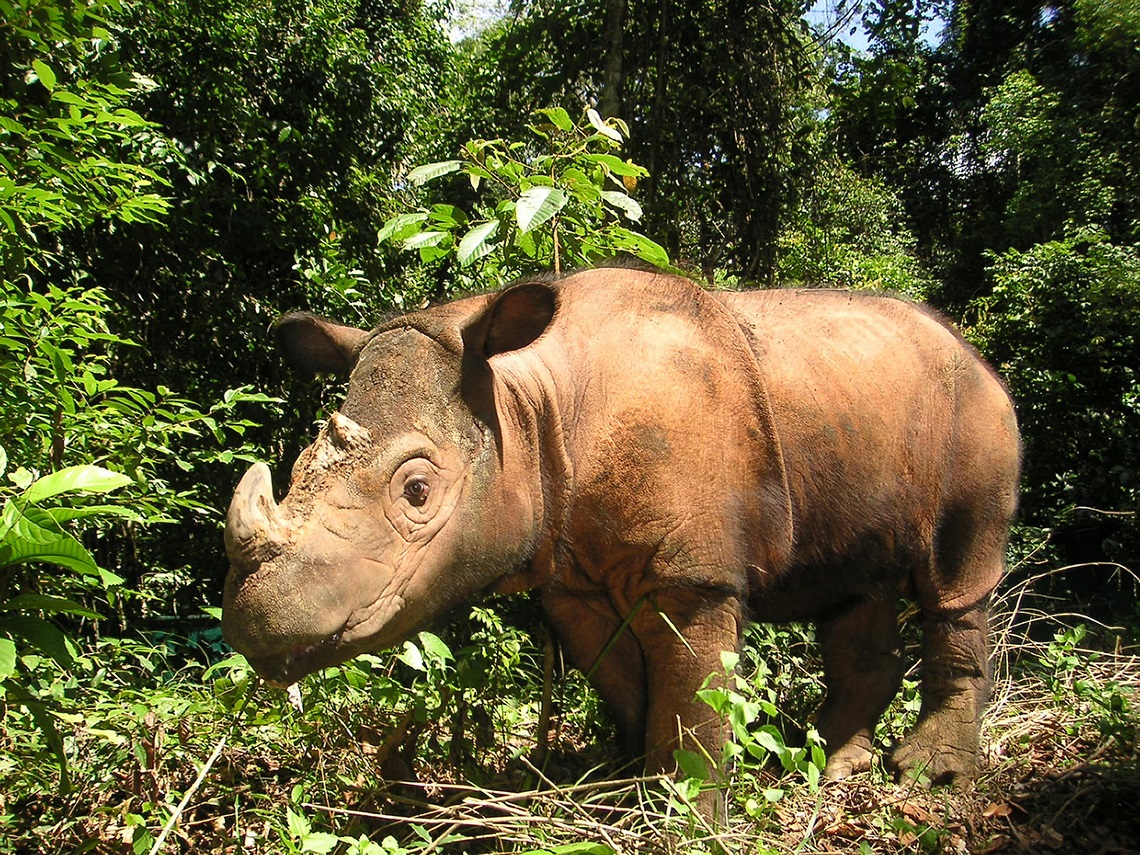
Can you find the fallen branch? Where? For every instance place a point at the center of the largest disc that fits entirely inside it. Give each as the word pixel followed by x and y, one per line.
pixel 170 823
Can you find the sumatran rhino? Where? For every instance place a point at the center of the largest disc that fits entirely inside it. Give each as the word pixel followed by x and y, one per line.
pixel 662 463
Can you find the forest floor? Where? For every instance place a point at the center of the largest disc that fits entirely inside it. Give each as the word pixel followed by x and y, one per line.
pixel 185 772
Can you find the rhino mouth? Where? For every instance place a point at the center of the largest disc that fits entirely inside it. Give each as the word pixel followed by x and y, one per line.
pixel 282 670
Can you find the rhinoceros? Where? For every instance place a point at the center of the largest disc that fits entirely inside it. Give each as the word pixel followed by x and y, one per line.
pixel 662 463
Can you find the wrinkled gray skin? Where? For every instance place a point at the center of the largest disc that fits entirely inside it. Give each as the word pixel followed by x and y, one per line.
pixel 635 447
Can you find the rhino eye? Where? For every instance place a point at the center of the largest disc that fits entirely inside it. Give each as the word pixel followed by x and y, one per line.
pixel 416 491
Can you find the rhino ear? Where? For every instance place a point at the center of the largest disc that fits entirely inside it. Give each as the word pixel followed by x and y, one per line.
pixel 316 345
pixel 517 317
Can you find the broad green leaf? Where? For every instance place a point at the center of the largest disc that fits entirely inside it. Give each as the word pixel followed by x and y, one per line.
pixel 434 647
pixel 691 764
pixel 424 239
pixel 448 216
pixel 772 740
pixel 401 226
pixel 65 97
pixel 429 254
pixel 43 636
pixel 298 825
pixel 476 243
pixel 34 536
pixel 582 847
pixel 559 118
pixel 642 247
pixel 84 478
pixel 3 460
pixel 412 657
pixel 431 171
pixel 234 660
pixel 615 164
pixel 62 515
pixel 44 73
pixel 320 842
pixel 7 658
pixel 537 205
pixel 42 602
pixel 623 202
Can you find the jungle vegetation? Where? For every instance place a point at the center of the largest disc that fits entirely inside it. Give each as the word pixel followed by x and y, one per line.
pixel 175 174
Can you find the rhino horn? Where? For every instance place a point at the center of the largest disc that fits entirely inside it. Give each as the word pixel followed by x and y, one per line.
pixel 346 434
pixel 252 524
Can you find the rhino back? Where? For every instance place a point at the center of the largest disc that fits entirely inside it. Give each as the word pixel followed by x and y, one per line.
pixel 890 426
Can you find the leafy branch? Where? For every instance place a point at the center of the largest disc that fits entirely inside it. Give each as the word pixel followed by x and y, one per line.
pixel 562 199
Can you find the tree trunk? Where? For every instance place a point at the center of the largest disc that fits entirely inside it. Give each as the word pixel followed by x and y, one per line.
pixel 613 73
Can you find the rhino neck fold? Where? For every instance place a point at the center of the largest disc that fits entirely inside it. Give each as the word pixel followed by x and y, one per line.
pixel 532 416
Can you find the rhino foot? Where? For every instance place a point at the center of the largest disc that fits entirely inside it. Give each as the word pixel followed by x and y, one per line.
pixel 937 755
pixel 848 760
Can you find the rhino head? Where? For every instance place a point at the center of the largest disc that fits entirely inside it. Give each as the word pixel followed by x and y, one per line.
pixel 418 494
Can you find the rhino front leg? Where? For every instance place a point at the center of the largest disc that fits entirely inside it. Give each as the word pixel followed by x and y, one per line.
pixel 683 634
pixel 862 669
pixel 955 687
pixel 587 625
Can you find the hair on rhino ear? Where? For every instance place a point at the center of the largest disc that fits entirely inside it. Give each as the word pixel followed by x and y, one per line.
pixel 315 345
pixel 517 317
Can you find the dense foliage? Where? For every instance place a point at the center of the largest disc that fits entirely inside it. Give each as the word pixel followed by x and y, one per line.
pixel 174 174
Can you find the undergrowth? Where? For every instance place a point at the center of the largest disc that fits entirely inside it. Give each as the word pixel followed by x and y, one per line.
pixel 174 745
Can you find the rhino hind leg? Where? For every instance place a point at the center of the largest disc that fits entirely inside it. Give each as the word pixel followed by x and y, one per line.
pixel 862 671
pixel 943 747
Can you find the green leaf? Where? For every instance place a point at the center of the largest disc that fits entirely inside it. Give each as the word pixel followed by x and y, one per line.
pixel 642 247
pixel 691 764
pixel 559 118
pixel 476 243
pixel 434 647
pixel 298 824
pixel 83 478
pixel 44 73
pixel 424 239
pixel 616 165
pixel 537 205
pixel 33 535
pixel 42 602
pixel 62 515
pixel 320 842
pixel 65 97
pixel 582 847
pixel 10 125
pixel 40 634
pixel 7 658
pixel 623 202
pixel 401 226
pixel 431 171
pixel 412 657
pixel 448 216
